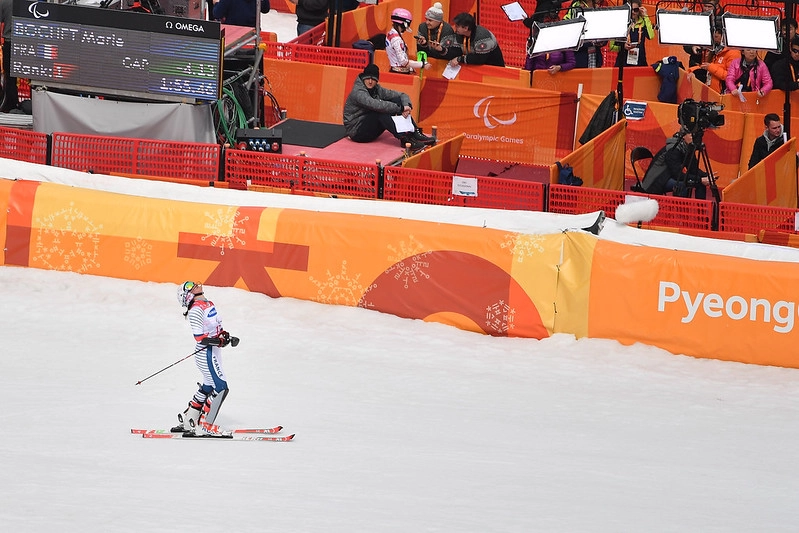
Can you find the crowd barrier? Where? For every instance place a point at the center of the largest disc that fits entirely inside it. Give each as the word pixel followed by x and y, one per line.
pixel 491 281
pixel 304 175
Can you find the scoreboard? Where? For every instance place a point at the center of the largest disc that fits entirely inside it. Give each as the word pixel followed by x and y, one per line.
pixel 106 51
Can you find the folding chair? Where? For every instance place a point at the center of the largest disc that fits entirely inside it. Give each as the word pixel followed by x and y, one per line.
pixel 638 154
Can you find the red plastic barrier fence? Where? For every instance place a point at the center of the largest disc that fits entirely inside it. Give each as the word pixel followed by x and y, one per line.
pixel 745 218
pixel 673 212
pixel 92 153
pixel 300 174
pixel 433 187
pixel 315 35
pixel 23 145
pixel 322 55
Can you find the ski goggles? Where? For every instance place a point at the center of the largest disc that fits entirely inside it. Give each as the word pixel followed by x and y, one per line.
pixel 189 285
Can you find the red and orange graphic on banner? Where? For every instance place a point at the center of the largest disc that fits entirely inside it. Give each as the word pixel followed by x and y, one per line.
pixel 696 304
pixel 770 182
pixel 599 162
pixel 490 281
pixel 501 123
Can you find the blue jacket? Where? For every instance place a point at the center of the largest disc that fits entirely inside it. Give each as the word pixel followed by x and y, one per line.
pixel 238 12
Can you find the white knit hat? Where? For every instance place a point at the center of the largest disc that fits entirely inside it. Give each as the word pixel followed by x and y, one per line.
pixel 436 12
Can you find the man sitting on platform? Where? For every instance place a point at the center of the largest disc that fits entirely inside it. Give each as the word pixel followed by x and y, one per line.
pixel 370 108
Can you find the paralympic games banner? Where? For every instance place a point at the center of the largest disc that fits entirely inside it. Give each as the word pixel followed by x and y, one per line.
pixel 501 123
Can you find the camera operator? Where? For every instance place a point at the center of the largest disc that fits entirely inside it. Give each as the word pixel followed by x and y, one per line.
pixel 675 169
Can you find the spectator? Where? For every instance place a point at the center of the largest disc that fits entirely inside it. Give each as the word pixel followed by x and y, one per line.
pixel 238 12
pixel 477 45
pixel 10 98
pixel 773 57
pixel 553 62
pixel 785 72
pixel 749 74
pixel 700 57
pixel 369 108
pixel 632 52
pixel 771 139
pixel 396 49
pixel 432 31
pixel 589 55
pixel 719 65
pixel 310 14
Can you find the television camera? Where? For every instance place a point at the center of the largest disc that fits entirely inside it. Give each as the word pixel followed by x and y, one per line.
pixel 696 116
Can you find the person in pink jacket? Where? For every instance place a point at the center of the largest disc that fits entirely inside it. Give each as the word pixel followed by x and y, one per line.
pixel 749 74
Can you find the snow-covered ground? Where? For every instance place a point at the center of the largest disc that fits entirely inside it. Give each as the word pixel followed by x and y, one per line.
pixel 401 425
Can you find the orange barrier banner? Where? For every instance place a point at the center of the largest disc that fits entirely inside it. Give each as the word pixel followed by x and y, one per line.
pixel 484 280
pixel 599 162
pixel 491 281
pixel 770 182
pixel 442 157
pixel 501 123
pixel 695 304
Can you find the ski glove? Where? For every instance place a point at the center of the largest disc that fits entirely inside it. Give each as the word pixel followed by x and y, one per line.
pixel 222 340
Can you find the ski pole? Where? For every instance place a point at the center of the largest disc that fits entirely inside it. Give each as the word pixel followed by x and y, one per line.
pixel 170 366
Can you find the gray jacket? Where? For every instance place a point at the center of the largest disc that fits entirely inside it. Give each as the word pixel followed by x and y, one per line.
pixel 361 102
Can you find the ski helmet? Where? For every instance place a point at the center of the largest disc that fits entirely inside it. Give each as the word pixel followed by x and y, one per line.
pixel 402 17
pixel 185 294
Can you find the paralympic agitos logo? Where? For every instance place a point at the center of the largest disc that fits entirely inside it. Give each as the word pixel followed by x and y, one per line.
pixel 480 110
pixel 39 10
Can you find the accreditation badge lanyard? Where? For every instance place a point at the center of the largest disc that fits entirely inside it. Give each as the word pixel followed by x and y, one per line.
pixel 632 55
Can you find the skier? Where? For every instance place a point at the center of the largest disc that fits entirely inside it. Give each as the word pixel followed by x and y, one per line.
pixel 206 325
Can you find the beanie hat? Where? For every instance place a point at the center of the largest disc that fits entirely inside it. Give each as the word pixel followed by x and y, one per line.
pixel 436 12
pixel 371 71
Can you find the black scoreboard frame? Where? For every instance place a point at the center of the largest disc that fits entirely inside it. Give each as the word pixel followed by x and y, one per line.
pixel 112 52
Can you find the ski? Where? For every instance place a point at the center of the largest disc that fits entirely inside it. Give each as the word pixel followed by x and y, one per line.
pixel 222 436
pixel 276 429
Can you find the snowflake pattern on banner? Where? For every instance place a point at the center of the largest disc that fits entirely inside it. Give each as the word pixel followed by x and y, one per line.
pixel 224 230
pixel 338 289
pixel 523 245
pixel 67 240
pixel 138 253
pixel 499 317
pixel 408 262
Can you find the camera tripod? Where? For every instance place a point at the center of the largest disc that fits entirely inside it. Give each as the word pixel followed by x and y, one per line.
pixel 697 153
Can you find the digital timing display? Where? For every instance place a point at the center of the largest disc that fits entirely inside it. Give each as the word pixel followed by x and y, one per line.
pixel 121 51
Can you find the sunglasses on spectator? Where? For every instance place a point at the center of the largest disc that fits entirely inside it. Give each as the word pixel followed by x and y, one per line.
pixel 794 51
pixel 636 9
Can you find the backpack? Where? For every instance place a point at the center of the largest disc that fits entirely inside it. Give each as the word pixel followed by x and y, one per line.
pixel 566 175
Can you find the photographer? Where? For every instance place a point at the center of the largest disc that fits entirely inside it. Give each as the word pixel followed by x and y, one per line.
pixel 675 169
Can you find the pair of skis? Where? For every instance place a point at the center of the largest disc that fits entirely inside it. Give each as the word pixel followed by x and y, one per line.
pixel 255 434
